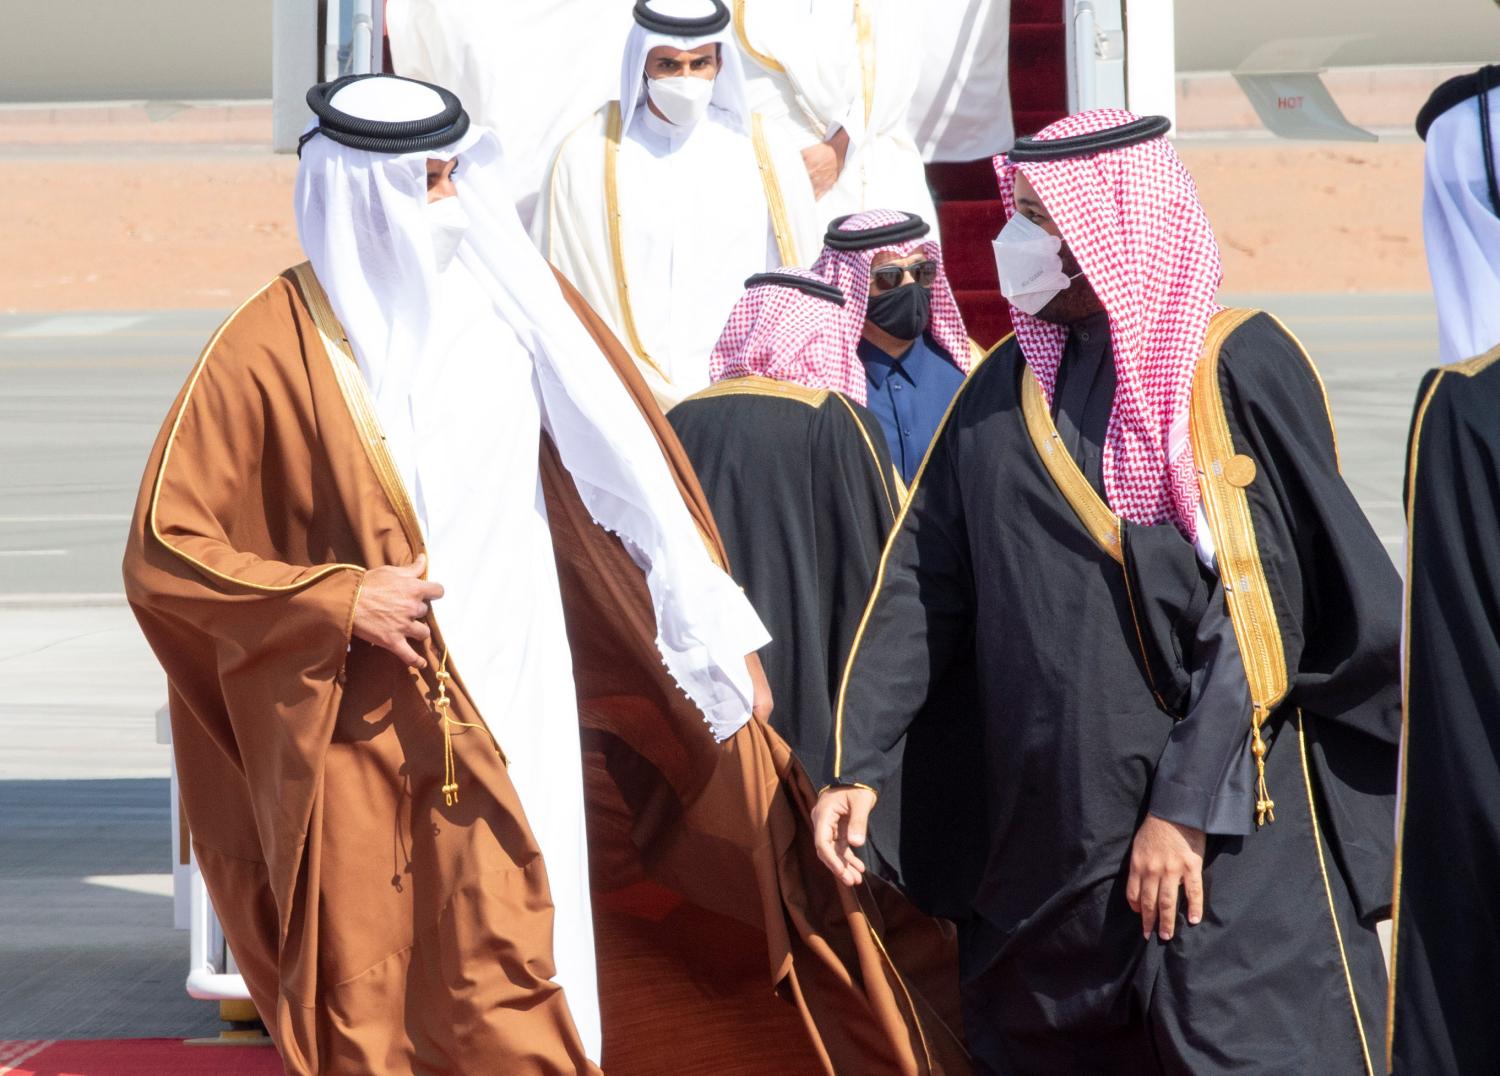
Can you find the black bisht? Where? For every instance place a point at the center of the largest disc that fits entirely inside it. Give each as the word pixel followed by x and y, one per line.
pixel 1445 1016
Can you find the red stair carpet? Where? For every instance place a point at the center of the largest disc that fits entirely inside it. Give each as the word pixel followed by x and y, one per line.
pixel 135 1057
pixel 969 211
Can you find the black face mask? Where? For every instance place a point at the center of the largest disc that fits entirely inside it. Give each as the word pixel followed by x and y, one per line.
pixel 903 312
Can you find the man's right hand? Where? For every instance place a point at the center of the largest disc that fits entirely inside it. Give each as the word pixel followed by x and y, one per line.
pixel 392 605
pixel 840 821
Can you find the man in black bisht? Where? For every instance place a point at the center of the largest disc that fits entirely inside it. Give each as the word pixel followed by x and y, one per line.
pixel 1133 527
pixel 802 488
pixel 1445 1016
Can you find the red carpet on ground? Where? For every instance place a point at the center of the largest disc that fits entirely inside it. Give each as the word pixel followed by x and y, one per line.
pixel 135 1057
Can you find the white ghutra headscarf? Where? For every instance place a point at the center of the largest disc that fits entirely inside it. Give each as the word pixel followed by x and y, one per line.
pixel 1460 221
pixel 361 218
pixel 730 96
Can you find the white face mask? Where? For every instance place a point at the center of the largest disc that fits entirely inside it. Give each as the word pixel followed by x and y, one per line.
pixel 447 222
pixel 1030 265
pixel 683 99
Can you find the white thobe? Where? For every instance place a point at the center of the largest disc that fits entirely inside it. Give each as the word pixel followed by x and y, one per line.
pixel 494 55
pixel 476 487
pixel 694 223
pixel 961 110
pixel 817 66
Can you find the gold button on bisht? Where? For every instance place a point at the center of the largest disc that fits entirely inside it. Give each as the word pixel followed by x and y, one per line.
pixel 1239 471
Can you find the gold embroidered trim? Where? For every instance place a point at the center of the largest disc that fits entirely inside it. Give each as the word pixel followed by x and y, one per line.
pixel 850 784
pixel 865 29
pixel 1338 934
pixel 1411 502
pixel 1102 524
pixel 1140 642
pixel 764 59
pixel 356 392
pixel 911 1005
pixel 1467 368
pixel 901 489
pixel 885 487
pixel 1227 509
pixel 885 556
pixel 612 135
pixel 770 182
pixel 756 385
pixel 1477 365
pixel 166 456
pixel 359 589
pixel 1318 377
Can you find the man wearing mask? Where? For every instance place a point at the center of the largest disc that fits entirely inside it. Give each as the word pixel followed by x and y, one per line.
pixel 907 331
pixel 1133 527
pixel 448 828
pixel 661 205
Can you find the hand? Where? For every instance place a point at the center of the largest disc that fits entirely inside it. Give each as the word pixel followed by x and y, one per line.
pixel 825 162
pixel 763 703
pixel 1164 857
pixel 392 604
pixel 840 821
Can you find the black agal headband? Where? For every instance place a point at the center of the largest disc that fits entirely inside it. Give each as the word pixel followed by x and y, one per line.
pixel 1144 129
pixel 1455 92
pixel 902 231
pixel 682 26
pixel 819 289
pixel 443 128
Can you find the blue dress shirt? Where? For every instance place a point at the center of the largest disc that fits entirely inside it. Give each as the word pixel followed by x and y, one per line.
pixel 909 394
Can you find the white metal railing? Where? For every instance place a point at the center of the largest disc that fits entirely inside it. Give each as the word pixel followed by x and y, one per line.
pixel 211 972
pixel 353 37
pixel 1096 55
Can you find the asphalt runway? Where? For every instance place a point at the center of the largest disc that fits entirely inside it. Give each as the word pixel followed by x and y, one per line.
pixel 86 944
pixel 82 395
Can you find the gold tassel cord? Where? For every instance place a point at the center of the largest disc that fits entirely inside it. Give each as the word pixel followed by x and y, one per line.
pixel 1265 807
pixel 442 706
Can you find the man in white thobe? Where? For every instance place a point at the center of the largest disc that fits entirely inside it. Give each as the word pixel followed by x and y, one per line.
pixel 469 353
pixel 837 77
pixel 662 204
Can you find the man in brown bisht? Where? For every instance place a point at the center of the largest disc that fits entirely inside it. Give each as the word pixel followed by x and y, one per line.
pixel 540 833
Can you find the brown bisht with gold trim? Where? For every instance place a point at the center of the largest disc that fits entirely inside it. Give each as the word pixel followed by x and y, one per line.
pixel 380 929
pixel 1080 626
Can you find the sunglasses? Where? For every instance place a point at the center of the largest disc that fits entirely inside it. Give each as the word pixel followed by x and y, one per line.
pixel 891 276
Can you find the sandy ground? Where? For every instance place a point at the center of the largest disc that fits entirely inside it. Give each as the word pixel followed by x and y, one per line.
pixel 110 209
pixel 1314 217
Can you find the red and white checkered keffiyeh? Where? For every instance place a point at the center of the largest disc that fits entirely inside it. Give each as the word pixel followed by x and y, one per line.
pixel 1132 219
pixel 849 271
pixel 779 332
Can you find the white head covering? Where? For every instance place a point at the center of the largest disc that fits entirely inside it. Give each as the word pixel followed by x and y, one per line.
pixel 1462 229
pixel 730 96
pixel 360 217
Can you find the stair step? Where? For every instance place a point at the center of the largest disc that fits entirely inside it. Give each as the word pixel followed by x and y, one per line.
pixel 962 181
pixel 969 209
pixel 986 316
pixel 968 228
pixel 1035 11
pixel 1038 75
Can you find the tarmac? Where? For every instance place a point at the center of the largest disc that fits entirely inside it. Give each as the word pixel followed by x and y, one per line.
pixel 87 948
